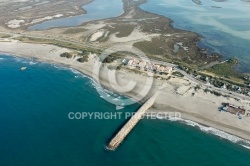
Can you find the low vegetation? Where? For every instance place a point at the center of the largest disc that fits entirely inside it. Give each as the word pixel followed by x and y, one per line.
pixel 152 47
pixel 4 35
pixel 178 74
pixel 83 59
pixel 59 43
pixel 111 58
pixel 226 69
pixel 121 30
pixel 74 30
pixel 83 54
pixel 66 55
pixel 214 92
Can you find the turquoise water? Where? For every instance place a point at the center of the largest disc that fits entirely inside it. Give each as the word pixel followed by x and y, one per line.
pixel 35 128
pixel 96 10
pixel 225 26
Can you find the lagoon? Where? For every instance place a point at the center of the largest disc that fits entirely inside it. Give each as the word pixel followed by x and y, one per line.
pixel 96 10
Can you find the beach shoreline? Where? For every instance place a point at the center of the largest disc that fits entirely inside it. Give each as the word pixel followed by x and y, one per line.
pixel 201 108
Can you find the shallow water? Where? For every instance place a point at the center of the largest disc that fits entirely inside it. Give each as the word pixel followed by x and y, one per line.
pixel 224 25
pixel 35 128
pixel 96 10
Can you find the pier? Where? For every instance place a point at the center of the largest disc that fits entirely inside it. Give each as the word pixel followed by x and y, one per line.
pixel 126 129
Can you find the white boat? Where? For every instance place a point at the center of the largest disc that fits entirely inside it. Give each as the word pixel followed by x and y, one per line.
pixel 118 107
pixel 23 68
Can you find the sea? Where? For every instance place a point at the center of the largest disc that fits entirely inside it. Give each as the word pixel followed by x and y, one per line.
pixel 223 24
pixel 35 128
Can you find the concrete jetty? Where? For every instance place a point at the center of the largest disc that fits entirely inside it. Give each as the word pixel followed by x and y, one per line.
pixel 126 129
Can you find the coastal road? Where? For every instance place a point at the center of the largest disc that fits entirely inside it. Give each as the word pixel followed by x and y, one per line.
pixel 190 77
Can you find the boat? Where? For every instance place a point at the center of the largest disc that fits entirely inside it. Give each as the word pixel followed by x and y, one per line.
pixel 118 107
pixel 23 68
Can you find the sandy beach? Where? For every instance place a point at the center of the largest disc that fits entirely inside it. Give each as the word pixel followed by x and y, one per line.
pixel 178 95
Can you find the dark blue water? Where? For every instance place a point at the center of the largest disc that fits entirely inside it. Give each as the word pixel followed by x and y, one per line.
pixel 96 10
pixel 35 128
pixel 225 26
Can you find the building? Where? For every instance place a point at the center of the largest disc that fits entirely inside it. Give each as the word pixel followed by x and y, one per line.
pixel 234 109
pixel 162 69
pixel 157 68
pixel 147 66
pixel 130 62
pixel 168 69
pixel 125 61
pixel 224 86
pixel 142 64
pixel 135 63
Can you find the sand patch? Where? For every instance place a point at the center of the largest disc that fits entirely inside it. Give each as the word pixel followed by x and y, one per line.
pixel 14 23
pixel 136 35
pixel 96 36
pixel 95 27
pixel 46 18
pixel 182 90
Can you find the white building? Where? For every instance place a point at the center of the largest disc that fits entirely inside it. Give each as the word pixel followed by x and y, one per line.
pixel 142 64
pixel 168 69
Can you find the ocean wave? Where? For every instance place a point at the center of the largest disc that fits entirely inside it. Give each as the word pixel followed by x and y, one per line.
pixel 248 147
pixel 213 131
pixel 59 67
pixel 25 61
pixel 115 97
pixel 106 94
pixel 32 63
pixel 77 73
pixel 17 59
pixel 100 89
pixel 74 71
pixel 95 85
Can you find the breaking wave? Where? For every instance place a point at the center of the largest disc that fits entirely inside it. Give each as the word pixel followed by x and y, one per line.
pixel 210 130
pixel 25 61
pixel 77 73
pixel 248 147
pixel 118 99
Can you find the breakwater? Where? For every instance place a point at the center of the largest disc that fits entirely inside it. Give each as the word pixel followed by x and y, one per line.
pixel 127 128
